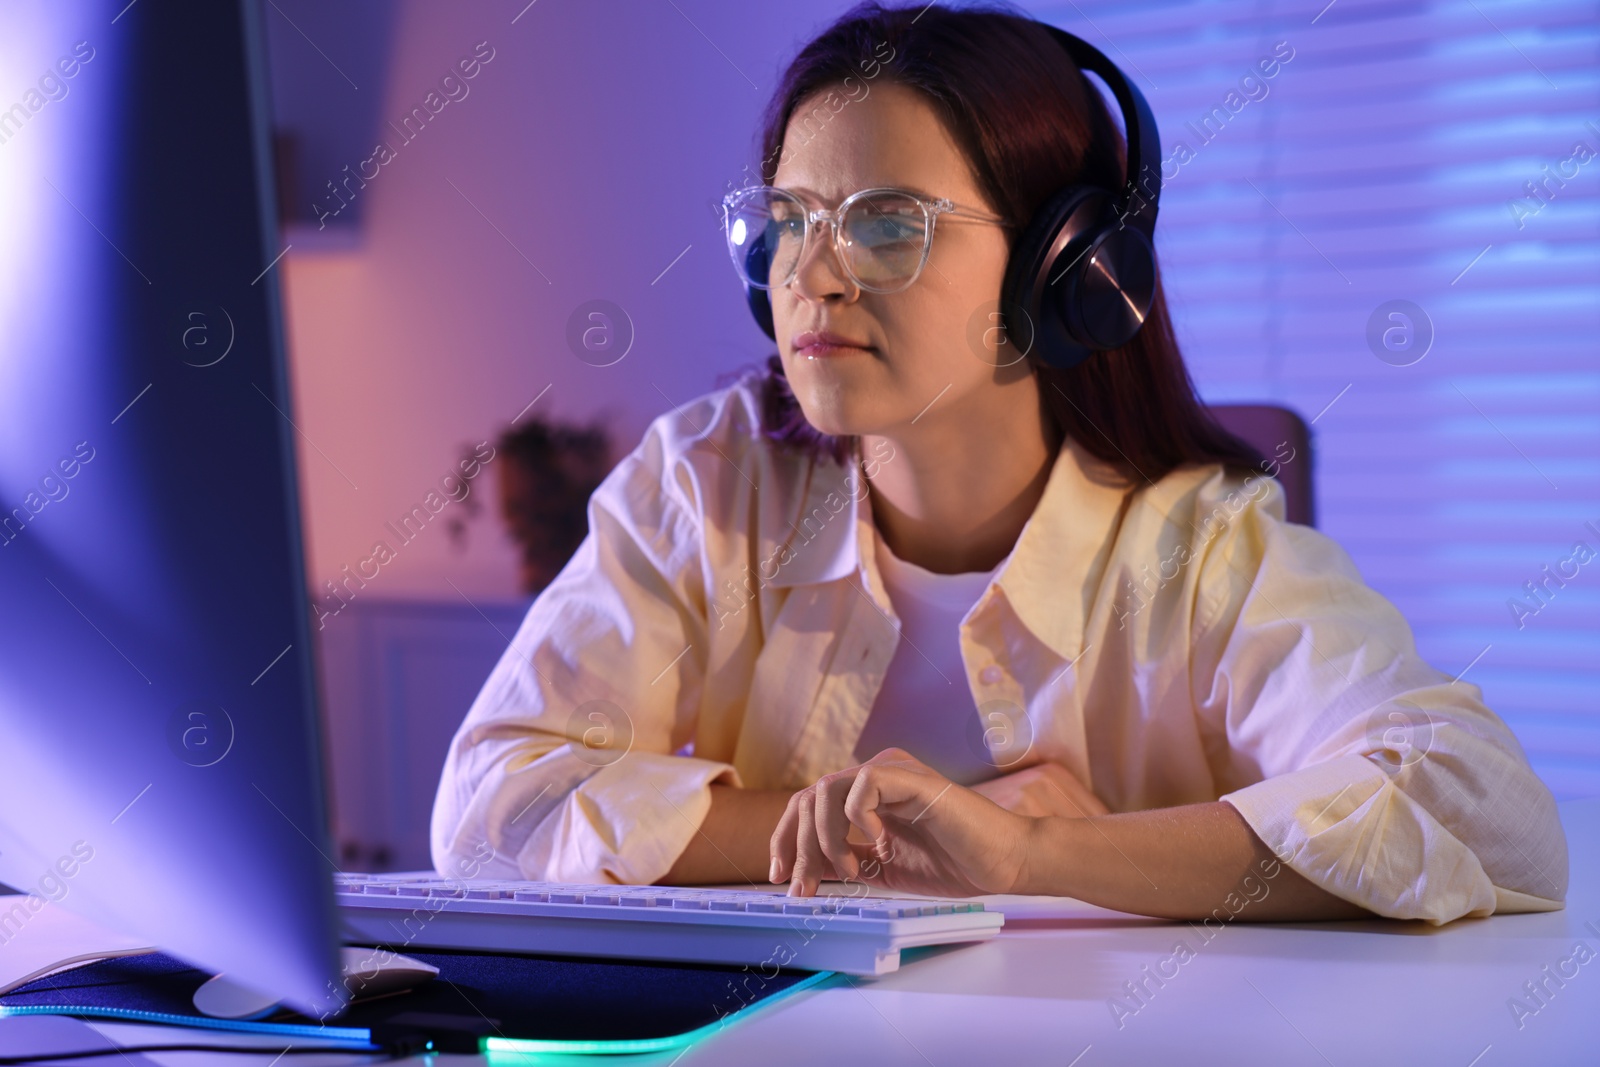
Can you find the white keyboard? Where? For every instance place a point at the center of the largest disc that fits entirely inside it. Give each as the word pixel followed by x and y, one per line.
pixel 854 934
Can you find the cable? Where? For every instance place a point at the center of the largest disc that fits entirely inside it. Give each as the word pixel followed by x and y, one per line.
pixel 393 1050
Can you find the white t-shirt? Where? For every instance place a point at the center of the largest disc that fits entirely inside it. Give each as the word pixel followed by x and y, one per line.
pixel 925 705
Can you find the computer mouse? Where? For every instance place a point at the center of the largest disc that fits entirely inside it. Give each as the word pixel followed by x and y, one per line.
pixel 368 973
pixel 377 972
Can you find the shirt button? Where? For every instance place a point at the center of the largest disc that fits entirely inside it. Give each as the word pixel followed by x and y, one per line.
pixel 989 675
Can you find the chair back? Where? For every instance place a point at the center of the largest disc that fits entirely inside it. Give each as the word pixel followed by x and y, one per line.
pixel 1274 431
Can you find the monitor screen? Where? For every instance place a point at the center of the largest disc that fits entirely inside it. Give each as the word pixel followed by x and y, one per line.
pixel 159 766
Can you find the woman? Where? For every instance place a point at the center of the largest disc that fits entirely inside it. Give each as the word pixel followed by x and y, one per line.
pixel 910 609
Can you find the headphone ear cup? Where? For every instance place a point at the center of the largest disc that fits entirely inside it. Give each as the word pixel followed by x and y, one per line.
pixel 1111 290
pixel 1082 279
pixel 759 300
pixel 1032 298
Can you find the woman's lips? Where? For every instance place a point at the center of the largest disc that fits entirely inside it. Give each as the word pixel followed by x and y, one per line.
pixel 820 351
pixel 816 344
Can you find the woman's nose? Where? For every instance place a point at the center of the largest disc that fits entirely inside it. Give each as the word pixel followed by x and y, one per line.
pixel 819 274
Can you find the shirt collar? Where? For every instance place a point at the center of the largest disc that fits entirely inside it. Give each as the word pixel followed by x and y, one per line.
pixel 1050 578
pixel 1054 574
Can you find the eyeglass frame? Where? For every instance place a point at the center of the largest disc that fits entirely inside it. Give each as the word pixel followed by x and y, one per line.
pixel 932 208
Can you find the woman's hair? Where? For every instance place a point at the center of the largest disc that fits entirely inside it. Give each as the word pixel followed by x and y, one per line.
pixel 1028 123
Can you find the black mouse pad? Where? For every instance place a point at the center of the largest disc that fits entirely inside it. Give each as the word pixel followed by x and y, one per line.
pixel 537 1003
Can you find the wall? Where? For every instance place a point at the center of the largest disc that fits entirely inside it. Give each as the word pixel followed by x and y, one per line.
pixel 1381 162
pixel 581 165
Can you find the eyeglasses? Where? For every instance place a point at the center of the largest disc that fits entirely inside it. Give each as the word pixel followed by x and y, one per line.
pixel 881 236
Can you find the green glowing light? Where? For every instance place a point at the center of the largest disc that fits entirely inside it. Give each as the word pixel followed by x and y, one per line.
pixel 509 1048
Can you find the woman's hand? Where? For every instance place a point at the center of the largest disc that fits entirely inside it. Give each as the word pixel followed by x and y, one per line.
pixel 923 833
pixel 1044 789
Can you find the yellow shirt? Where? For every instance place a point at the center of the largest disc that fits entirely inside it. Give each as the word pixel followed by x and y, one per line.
pixel 1173 643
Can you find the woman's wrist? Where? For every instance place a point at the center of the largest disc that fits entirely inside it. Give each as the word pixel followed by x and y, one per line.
pixel 1049 846
pixel 732 842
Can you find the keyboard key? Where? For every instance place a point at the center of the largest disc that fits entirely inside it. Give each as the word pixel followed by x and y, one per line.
pixel 687 898
pixel 863 929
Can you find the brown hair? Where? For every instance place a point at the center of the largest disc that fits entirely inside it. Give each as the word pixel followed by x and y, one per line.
pixel 1027 124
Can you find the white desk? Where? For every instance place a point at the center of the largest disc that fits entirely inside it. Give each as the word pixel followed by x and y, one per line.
pixel 1349 993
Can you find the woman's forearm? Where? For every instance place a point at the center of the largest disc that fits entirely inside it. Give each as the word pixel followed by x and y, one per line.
pixel 1188 862
pixel 733 843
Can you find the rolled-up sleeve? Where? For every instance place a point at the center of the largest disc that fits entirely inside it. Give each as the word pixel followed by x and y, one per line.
pixel 1369 772
pixel 565 767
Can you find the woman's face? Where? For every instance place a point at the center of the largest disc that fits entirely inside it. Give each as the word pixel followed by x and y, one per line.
pixel 916 347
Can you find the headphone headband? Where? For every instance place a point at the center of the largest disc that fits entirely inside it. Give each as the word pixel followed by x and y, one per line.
pixel 1143 175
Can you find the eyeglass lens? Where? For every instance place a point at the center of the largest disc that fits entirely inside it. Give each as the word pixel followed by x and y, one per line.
pixel 883 237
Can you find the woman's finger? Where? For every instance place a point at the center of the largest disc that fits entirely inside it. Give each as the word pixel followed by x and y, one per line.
pixel 808 858
pixel 861 804
pixel 896 755
pixel 831 824
pixel 781 846
pixel 869 865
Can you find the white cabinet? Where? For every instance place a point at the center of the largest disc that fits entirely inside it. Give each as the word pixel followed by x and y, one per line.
pixel 397 678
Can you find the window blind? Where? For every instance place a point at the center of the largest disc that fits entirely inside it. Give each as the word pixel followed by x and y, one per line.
pixel 1439 162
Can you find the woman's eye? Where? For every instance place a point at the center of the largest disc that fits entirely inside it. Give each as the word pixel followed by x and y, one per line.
pixel 887 229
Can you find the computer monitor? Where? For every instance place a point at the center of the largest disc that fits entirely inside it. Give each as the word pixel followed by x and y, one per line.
pixel 159 768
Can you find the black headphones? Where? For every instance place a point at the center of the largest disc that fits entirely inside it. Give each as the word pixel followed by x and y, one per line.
pixel 1082 273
